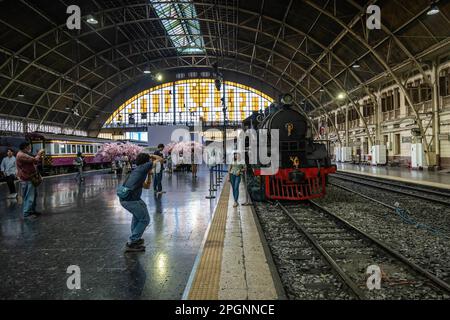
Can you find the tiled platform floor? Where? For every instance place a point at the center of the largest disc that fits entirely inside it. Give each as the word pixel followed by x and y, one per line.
pixel 431 178
pixel 85 226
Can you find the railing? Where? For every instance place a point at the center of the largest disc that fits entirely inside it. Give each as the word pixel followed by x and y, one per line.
pixel 445 105
pixel 370 119
pixel 353 124
pixel 391 115
pixel 422 107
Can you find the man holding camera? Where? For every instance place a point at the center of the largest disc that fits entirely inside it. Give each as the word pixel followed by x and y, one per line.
pixel 29 178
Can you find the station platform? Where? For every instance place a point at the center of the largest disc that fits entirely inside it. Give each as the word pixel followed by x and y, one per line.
pixel 434 179
pixel 84 225
pixel 234 262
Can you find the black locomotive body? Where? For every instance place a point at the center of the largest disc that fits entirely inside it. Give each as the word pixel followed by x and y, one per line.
pixel 303 164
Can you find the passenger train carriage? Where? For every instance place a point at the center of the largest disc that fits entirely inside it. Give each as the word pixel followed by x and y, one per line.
pixel 303 163
pixel 61 151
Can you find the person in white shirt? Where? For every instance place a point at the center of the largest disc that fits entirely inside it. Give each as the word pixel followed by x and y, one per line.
pixel 8 168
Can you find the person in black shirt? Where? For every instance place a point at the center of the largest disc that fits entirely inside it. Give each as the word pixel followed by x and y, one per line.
pixel 134 204
pixel 157 182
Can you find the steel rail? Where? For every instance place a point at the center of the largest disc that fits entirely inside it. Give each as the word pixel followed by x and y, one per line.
pixel 333 264
pixel 442 193
pixel 418 196
pixel 435 280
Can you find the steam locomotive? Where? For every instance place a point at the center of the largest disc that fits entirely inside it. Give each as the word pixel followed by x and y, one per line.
pixel 303 163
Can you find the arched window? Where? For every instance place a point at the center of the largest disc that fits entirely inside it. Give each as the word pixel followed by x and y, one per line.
pixel 188 101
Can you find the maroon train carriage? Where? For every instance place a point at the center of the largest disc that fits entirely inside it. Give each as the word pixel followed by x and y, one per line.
pixel 61 151
pixel 304 164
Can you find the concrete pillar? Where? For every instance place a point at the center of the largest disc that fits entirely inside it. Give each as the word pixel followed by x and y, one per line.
pixel 436 107
pixel 361 122
pixel 335 124
pixel 174 105
pixel 378 118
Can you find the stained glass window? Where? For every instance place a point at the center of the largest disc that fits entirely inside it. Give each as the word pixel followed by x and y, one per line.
pixel 187 102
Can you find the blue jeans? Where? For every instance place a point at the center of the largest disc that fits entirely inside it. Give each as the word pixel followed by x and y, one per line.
pixel 157 180
pixel 29 194
pixel 140 220
pixel 235 181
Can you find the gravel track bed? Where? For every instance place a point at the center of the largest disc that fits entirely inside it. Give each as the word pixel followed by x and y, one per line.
pixel 430 251
pixel 306 275
pixel 354 253
pixel 303 273
pixel 431 214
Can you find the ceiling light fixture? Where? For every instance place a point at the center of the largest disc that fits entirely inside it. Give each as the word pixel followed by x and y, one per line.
pixel 341 96
pixel 356 65
pixel 91 20
pixel 433 10
pixel 159 77
pixel 21 95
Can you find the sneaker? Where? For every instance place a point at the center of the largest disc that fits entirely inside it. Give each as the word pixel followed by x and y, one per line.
pixel 140 242
pixel 134 247
pixel 12 196
pixel 235 204
pixel 31 216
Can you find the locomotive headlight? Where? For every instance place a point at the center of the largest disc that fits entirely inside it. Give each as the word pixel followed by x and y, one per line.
pixel 287 99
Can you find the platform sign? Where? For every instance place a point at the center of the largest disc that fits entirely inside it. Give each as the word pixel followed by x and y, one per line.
pixel 406 139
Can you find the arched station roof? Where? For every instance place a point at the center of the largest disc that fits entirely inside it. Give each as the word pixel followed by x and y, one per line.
pixel 312 48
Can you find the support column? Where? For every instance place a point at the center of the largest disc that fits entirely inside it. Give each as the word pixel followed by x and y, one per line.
pixel 378 117
pixel 436 107
pixel 174 104
pixel 347 142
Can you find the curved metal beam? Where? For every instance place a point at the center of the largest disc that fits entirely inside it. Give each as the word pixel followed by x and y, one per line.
pixel 386 66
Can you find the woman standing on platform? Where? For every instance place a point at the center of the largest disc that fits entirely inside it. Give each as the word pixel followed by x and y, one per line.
pixel 8 168
pixel 235 171
pixel 194 165
pixel 129 194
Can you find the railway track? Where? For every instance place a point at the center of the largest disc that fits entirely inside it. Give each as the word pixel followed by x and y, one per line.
pixel 348 251
pixel 431 195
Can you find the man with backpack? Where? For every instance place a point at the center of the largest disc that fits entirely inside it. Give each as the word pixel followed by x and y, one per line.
pixel 129 194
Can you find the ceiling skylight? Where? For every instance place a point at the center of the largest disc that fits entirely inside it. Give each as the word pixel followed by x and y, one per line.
pixel 179 18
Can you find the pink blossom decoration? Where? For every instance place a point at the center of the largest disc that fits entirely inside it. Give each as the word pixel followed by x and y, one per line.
pixel 115 150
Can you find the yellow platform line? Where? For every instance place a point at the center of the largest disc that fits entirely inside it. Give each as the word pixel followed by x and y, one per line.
pixel 207 277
